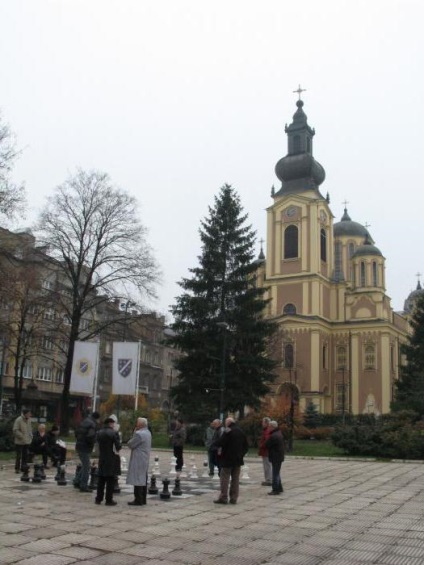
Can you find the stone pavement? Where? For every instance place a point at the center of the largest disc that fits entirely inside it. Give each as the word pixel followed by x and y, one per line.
pixel 331 512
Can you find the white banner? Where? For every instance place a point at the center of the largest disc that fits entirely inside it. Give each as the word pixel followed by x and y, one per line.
pixel 84 367
pixel 125 367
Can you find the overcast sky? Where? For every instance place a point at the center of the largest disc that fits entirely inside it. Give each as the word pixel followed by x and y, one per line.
pixel 174 98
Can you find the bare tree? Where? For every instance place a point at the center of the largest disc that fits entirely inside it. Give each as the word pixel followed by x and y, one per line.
pixel 92 230
pixel 12 196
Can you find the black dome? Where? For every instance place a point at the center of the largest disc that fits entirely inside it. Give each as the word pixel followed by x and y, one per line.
pixel 410 302
pixel 346 227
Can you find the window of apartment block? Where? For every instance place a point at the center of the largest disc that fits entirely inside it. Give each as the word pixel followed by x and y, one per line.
pixel 44 374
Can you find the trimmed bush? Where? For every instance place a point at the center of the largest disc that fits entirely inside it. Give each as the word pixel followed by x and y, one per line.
pixel 6 435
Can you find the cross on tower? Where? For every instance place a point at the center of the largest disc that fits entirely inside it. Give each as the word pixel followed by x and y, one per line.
pixel 367 225
pixel 299 90
pixel 345 203
pixel 418 275
pixel 262 241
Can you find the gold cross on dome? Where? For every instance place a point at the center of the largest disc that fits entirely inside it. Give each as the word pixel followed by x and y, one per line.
pixel 299 90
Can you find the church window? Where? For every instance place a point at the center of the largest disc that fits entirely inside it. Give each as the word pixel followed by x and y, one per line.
pixel 324 356
pixel 323 245
pixel 291 242
pixel 338 260
pixel 369 357
pixel 341 357
pixel 289 309
pixel 288 356
pixel 363 279
pixel 351 250
pixel 374 274
pixel 296 144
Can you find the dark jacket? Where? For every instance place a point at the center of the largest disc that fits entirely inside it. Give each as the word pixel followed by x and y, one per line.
pixel 234 447
pixel 109 445
pixel 86 435
pixel 39 443
pixel 275 446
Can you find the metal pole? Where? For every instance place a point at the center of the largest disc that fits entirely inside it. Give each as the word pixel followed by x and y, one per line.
pixel 343 395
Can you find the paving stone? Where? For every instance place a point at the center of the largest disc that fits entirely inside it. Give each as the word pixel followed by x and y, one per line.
pixel 356 555
pixel 79 552
pixel 400 560
pixel 47 559
pixel 107 544
pixel 116 559
pixel 13 539
pixel 13 554
pixel 44 545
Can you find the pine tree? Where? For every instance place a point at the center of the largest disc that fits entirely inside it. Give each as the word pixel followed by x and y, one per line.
pixel 219 320
pixel 409 388
pixel 311 417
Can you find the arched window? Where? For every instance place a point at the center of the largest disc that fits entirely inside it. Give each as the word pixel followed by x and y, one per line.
pixel 341 357
pixel 351 250
pixel 324 356
pixel 369 357
pixel 363 280
pixel 323 245
pixel 296 144
pixel 289 309
pixel 291 242
pixel 288 356
pixel 374 274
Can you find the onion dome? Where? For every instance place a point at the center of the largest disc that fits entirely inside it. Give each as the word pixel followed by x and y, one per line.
pixel 410 302
pixel 367 248
pixel 298 171
pixel 346 227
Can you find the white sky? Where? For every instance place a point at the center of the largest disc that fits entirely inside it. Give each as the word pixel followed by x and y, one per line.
pixel 174 98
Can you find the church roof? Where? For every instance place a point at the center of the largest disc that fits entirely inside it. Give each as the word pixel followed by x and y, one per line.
pixel 347 227
pixel 413 296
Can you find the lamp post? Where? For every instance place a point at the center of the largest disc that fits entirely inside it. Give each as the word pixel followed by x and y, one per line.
pixel 225 328
pixel 343 396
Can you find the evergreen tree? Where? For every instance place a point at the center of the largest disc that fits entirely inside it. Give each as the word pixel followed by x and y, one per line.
pixel 311 417
pixel 409 388
pixel 219 320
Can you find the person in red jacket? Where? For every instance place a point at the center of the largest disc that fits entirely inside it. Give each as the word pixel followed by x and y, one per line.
pixel 263 451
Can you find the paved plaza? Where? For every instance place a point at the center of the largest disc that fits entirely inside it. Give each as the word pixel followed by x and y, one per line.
pixel 331 512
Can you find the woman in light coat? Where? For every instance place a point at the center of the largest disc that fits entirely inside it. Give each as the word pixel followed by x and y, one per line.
pixel 140 445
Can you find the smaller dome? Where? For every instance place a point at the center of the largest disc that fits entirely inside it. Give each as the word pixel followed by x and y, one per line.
pixel 367 248
pixel 413 296
pixel 346 227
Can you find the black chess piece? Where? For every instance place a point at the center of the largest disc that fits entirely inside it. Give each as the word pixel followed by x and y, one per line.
pixel 165 494
pixel 93 477
pixel 177 489
pixel 153 489
pixel 37 477
pixel 76 480
pixel 25 473
pixel 61 480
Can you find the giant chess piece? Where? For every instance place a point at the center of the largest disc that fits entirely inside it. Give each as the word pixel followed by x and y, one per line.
pixel 193 472
pixel 93 477
pixel 245 473
pixel 205 473
pixel 76 480
pixel 177 490
pixel 25 473
pixel 173 472
pixel 153 489
pixel 61 474
pixel 156 470
pixel 165 494
pixel 37 478
pixel 124 464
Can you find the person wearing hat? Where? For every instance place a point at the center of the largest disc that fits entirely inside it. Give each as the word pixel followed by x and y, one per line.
pixel 86 438
pixel 22 434
pixel 275 446
pixel 109 445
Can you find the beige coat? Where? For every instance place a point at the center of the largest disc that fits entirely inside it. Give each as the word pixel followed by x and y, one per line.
pixel 22 430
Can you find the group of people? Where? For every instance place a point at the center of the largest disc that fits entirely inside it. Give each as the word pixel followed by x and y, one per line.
pixel 43 443
pixel 226 445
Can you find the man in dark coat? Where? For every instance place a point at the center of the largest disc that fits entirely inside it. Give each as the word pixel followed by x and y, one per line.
pixel 109 446
pixel 275 446
pixel 234 446
pixel 86 438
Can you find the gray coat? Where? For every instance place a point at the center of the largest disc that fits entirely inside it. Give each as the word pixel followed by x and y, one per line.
pixel 140 445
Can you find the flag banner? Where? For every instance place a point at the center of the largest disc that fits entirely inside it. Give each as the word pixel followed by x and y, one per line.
pixel 125 367
pixel 84 367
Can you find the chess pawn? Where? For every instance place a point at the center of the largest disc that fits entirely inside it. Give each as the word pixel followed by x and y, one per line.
pixel 183 473
pixel 93 477
pixel 245 473
pixel 193 473
pixel 156 470
pixel 124 464
pixel 173 472
pixel 205 473
pixel 153 489
pixel 25 473
pixel 61 481
pixel 177 490
pixel 165 494
pixel 37 478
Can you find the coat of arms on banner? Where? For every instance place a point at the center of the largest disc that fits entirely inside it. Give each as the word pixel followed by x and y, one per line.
pixel 124 367
pixel 83 367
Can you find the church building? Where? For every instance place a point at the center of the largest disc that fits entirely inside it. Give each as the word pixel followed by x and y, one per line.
pixel 339 338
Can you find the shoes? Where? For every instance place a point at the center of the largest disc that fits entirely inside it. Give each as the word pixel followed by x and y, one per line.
pixel 85 489
pixel 274 492
pixel 135 503
pixel 98 501
pixel 233 501
pixel 219 501
pixel 111 503
pixel 266 483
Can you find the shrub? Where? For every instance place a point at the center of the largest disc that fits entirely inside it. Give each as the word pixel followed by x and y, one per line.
pixel 7 442
pixel 195 434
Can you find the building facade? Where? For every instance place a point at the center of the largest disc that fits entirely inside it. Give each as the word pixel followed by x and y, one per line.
pixel 339 339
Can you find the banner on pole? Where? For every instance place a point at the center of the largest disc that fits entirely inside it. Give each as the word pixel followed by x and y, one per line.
pixel 125 367
pixel 84 367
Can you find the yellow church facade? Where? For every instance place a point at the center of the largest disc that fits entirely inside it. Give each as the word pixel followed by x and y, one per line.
pixel 339 339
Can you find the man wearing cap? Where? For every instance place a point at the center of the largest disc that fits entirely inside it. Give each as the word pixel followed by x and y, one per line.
pixel 275 446
pixel 86 438
pixel 234 447
pixel 109 446
pixel 22 433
